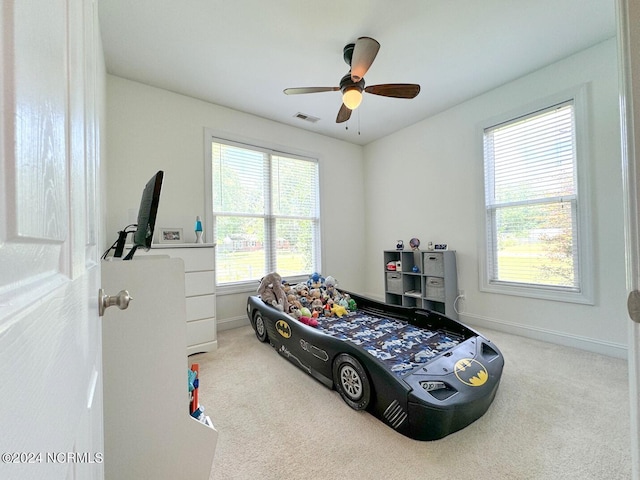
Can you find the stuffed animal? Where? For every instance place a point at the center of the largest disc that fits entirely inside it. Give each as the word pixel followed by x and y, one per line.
pixel 271 292
pixel 351 303
pixel 338 310
pixel 316 305
pixel 315 280
pixel 312 322
pixel 297 314
pixel 330 285
pixel 293 303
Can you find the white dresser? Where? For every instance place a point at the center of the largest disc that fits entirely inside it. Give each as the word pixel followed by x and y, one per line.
pixel 200 291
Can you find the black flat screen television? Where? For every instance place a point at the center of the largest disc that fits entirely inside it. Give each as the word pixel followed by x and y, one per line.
pixel 143 234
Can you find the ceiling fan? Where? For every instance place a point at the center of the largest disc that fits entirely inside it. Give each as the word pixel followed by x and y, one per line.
pixel 359 56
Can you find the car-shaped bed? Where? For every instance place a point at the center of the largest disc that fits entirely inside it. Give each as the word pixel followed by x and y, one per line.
pixel 423 374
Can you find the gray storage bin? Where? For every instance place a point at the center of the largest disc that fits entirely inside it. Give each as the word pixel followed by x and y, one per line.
pixel 435 289
pixel 394 283
pixel 434 264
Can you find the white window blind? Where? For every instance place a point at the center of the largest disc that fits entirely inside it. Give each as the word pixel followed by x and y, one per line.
pixel 265 213
pixel 531 201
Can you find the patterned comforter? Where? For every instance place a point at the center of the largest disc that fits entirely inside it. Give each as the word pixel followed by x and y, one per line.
pixel 400 345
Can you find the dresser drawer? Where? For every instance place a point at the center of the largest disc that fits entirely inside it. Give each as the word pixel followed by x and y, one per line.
pixel 201 331
pixel 203 306
pixel 195 259
pixel 199 283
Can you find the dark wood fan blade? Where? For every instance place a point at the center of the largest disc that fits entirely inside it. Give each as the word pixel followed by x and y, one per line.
pixel 343 114
pixel 298 90
pixel 395 90
pixel 364 53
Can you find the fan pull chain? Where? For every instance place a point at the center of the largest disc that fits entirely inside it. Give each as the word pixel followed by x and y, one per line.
pixel 346 124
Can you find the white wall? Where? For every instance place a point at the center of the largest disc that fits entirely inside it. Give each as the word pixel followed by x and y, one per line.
pixel 427 181
pixel 423 181
pixel 150 129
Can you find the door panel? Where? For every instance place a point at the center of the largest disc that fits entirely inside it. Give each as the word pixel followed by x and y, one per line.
pixel 35 165
pixel 50 335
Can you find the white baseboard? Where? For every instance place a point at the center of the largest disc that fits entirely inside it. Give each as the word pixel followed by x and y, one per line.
pixel 559 338
pixel 235 322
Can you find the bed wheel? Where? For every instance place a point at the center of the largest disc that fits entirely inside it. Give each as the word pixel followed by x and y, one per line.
pixel 351 381
pixel 259 327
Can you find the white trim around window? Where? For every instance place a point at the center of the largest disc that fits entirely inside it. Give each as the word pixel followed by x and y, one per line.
pixel 279 217
pixel 583 289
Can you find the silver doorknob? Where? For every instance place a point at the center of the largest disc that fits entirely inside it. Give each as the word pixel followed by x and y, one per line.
pixel 121 300
pixel 633 305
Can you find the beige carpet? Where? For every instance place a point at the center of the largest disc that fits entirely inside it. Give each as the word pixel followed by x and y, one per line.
pixel 560 413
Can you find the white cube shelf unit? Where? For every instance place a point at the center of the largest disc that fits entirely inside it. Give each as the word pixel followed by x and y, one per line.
pixel 422 279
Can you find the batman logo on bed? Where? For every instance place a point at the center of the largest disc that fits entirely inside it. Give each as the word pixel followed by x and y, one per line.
pixel 471 372
pixel 283 328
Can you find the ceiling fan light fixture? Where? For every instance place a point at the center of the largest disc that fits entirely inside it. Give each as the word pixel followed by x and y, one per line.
pixel 359 56
pixel 351 97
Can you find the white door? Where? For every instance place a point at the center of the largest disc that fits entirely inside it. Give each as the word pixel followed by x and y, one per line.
pixel 50 356
pixel 629 46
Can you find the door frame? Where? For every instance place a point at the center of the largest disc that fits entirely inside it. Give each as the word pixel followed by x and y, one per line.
pixel 628 32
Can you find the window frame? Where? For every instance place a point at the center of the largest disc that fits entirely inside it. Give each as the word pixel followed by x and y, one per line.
pixel 584 294
pixel 210 136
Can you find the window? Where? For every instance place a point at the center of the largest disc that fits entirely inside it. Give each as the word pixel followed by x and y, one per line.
pixel 265 213
pixel 537 240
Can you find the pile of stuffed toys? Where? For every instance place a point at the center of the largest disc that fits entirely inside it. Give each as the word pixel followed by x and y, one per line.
pixel 306 301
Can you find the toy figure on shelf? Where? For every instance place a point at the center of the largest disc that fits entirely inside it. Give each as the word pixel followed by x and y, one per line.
pixel 414 243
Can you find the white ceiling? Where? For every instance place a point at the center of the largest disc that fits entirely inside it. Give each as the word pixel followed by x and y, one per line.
pixel 241 54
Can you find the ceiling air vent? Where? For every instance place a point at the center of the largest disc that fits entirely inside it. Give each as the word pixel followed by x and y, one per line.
pixel 306 118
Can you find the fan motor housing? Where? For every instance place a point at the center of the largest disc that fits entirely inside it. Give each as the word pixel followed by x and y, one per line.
pixel 347 53
pixel 347 82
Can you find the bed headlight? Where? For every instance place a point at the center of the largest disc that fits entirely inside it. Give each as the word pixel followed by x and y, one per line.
pixel 430 386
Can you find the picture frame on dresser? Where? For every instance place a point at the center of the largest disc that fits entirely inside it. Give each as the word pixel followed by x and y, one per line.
pixel 170 235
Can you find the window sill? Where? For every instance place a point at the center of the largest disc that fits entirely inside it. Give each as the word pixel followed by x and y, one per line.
pixel 251 286
pixel 541 293
pixel 236 289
